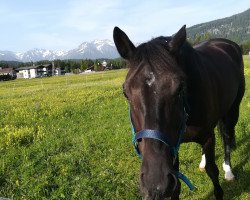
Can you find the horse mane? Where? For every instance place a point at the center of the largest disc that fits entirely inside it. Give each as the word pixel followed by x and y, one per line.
pixel 189 60
pixel 156 54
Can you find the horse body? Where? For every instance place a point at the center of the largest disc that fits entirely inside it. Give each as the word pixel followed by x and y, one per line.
pixel 215 80
pixel 167 78
pixel 224 84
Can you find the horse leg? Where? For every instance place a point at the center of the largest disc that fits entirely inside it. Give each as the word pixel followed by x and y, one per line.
pixel 203 162
pixel 211 167
pixel 226 127
pixel 227 132
pixel 229 176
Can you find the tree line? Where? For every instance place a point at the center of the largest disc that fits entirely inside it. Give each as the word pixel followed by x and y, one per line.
pixel 245 47
pixel 77 66
pixel 73 66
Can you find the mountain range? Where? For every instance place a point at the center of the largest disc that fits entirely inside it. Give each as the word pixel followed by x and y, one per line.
pixel 236 28
pixel 89 50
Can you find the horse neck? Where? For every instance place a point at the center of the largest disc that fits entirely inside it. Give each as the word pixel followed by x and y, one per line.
pixel 189 60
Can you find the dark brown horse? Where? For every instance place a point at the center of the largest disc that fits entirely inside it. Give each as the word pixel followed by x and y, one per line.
pixel 168 78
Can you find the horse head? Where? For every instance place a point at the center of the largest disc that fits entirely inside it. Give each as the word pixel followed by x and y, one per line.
pixel 154 87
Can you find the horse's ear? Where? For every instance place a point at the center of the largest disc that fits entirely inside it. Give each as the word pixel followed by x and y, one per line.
pixel 178 39
pixel 123 44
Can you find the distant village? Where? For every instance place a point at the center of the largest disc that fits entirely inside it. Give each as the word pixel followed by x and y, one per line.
pixel 34 71
pixel 45 70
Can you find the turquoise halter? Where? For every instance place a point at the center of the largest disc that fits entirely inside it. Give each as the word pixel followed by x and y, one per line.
pixel 154 134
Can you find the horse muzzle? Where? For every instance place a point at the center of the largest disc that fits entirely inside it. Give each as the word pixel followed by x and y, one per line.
pixel 159 188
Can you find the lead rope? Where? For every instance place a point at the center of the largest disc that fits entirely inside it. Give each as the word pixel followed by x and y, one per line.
pixel 185 180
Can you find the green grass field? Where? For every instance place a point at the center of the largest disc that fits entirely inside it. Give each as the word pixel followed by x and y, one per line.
pixel 69 137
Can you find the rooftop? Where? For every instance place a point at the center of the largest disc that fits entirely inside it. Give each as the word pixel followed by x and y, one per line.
pixel 33 67
pixel 6 70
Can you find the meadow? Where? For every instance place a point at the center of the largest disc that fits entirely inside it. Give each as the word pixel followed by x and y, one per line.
pixel 69 137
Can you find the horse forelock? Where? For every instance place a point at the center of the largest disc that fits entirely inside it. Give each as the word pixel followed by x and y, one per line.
pixel 154 59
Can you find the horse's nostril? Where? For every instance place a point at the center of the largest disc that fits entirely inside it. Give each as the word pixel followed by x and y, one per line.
pixel 171 185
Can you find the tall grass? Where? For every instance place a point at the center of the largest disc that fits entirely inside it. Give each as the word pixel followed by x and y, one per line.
pixel 69 137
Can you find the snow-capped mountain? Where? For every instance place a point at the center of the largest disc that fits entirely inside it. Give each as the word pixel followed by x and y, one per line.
pixel 93 50
pixel 8 56
pixel 90 50
pixel 39 54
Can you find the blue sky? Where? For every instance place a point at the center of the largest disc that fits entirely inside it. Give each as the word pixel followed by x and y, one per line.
pixel 65 24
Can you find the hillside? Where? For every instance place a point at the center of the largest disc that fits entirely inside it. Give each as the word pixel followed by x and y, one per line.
pixel 236 28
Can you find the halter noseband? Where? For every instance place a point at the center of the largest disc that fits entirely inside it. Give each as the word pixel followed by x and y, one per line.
pixel 157 135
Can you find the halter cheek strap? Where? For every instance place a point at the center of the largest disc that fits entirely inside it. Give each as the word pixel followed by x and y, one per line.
pixel 157 135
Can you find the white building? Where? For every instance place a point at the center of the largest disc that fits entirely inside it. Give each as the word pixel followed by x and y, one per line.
pixel 35 71
pixel 58 72
pixel 25 73
pixel 104 63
